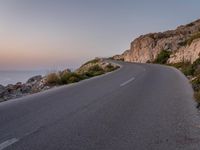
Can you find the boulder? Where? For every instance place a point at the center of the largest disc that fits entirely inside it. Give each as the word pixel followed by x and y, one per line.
pixel 34 79
pixel 18 85
pixel 10 88
pixel 25 89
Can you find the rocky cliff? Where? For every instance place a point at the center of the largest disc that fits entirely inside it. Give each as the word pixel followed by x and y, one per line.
pixel 183 42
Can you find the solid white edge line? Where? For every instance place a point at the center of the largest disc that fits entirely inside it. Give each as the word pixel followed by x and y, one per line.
pixel 8 143
pixel 127 82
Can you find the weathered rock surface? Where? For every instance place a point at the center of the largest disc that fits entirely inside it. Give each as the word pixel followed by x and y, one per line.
pixel 122 56
pixel 186 54
pixel 33 85
pixel 34 79
pixel 147 47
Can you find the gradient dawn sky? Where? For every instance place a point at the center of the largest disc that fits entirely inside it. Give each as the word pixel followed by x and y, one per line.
pixel 38 34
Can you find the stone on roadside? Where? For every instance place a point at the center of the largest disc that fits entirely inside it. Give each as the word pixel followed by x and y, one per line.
pixel 34 79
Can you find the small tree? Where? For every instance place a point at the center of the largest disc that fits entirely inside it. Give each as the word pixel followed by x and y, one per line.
pixel 163 57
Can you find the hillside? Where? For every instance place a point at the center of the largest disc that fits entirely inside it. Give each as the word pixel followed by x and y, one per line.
pixel 183 43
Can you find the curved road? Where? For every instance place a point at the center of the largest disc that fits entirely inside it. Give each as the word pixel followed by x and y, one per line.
pixel 138 107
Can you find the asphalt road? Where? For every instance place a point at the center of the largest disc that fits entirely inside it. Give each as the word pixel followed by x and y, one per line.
pixel 138 107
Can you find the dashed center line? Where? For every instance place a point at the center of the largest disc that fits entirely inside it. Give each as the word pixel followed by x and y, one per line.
pixel 127 82
pixel 8 143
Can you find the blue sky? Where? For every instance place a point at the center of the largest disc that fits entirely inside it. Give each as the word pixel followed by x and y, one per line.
pixel 36 34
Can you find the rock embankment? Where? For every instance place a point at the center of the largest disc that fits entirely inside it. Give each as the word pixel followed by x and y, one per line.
pixel 33 85
pixel 38 83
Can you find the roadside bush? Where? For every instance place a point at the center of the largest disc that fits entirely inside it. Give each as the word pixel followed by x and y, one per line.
pixel 190 25
pixel 110 68
pixel 96 60
pixel 70 78
pixel 53 79
pixel 196 67
pixel 197 96
pixel 94 71
pixel 177 65
pixel 148 62
pixel 196 83
pixel 67 77
pixel 163 57
pixel 186 67
pixel 192 38
pixel 189 69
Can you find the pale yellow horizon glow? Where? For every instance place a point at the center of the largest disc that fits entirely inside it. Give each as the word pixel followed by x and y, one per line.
pixel 20 50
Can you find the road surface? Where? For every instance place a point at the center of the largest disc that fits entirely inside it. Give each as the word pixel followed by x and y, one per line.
pixel 138 107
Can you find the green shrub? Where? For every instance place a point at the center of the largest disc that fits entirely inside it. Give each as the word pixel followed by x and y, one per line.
pixel 70 78
pixel 186 68
pixel 177 65
pixel 196 67
pixel 192 38
pixel 196 62
pixel 96 60
pixel 183 43
pixel 110 68
pixel 197 96
pixel 196 80
pixel 190 25
pixel 95 68
pixel 148 61
pixel 163 57
pixel 94 71
pixel 53 79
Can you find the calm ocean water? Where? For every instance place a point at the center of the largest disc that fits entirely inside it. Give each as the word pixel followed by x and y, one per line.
pixel 12 77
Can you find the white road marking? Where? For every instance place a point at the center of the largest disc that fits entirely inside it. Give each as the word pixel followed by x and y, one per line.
pixel 127 82
pixel 8 143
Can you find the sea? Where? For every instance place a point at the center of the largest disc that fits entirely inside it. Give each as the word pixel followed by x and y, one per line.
pixel 12 77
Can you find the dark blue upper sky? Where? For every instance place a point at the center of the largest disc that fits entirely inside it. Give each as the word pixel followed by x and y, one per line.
pixel 60 33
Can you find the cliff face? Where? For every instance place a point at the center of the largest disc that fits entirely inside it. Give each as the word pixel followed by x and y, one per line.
pixel 147 47
pixel 186 54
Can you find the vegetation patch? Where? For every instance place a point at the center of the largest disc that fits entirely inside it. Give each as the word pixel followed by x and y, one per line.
pixel 110 68
pixel 187 69
pixel 192 38
pixel 197 96
pixel 192 71
pixel 90 69
pixel 94 61
pixel 94 71
pixel 162 57
pixel 70 78
pixel 53 79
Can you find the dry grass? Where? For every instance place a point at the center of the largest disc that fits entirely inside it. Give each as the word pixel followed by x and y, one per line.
pixel 53 79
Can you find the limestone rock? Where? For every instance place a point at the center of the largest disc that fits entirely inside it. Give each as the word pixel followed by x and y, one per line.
pixel 186 54
pixel 147 47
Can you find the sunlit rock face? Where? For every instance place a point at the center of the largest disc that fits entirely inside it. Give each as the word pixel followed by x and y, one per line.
pixel 146 47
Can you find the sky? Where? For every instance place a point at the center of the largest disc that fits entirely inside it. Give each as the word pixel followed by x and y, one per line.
pixel 41 34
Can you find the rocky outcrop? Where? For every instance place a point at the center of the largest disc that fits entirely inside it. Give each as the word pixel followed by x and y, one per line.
pixel 34 79
pixel 147 47
pixel 122 56
pixel 186 54
pixel 33 85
